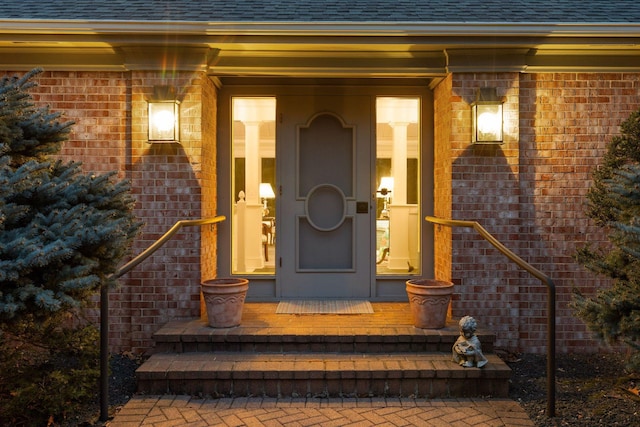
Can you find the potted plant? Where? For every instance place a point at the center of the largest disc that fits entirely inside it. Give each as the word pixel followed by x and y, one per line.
pixel 429 301
pixel 224 299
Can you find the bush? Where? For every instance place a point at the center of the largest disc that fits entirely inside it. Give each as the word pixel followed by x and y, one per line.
pixel 47 371
pixel 614 203
pixel 63 234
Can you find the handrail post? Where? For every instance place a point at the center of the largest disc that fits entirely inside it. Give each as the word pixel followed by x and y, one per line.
pixel 551 300
pixel 104 303
pixel 551 349
pixel 104 351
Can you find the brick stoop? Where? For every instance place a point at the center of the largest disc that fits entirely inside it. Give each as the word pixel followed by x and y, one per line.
pixel 317 355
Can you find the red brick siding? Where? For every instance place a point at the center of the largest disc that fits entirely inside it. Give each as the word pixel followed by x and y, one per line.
pixel 569 119
pixel 529 193
pixel 485 188
pixel 166 182
pixel 110 111
pixel 442 163
pixel 99 104
pixel 209 180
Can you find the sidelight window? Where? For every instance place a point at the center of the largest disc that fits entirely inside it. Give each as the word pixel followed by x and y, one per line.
pixel 397 186
pixel 253 185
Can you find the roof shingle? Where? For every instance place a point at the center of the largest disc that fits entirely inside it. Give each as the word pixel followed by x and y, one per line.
pixel 441 11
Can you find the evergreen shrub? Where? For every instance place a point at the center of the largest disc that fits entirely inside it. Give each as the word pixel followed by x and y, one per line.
pixel 63 232
pixel 614 204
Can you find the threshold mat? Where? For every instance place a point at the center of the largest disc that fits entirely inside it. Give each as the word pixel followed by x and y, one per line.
pixel 324 307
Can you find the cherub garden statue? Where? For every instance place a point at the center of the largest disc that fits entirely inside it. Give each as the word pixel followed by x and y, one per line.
pixel 467 350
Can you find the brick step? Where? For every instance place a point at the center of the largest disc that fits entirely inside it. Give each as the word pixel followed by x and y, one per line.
pixel 186 336
pixel 429 375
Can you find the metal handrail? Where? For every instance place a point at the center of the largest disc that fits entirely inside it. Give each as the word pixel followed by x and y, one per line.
pixel 104 302
pixel 162 240
pixel 551 300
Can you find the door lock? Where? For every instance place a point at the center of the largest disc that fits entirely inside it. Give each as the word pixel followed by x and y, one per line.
pixel 362 207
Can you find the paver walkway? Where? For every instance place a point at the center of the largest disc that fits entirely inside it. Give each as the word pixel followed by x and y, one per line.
pixel 165 411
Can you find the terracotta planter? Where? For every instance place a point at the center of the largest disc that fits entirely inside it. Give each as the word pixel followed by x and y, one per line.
pixel 429 301
pixel 224 299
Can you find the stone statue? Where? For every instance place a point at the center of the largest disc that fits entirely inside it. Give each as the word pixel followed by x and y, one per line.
pixel 467 350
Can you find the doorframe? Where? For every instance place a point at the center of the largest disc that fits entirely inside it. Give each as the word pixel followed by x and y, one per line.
pixel 263 287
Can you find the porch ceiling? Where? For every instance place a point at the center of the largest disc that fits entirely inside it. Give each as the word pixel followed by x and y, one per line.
pixel 318 49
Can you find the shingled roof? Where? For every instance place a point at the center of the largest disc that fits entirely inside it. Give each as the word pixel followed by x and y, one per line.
pixel 441 11
pixel 322 38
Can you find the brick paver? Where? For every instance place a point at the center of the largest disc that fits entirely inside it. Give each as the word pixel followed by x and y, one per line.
pixel 288 367
pixel 165 411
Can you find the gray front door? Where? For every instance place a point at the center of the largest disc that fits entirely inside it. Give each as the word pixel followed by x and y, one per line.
pixel 326 206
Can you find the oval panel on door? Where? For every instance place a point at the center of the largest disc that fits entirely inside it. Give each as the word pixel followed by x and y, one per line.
pixel 326 207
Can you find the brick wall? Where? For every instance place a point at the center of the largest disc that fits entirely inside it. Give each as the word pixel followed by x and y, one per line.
pixel 166 181
pixel 484 188
pixel 209 181
pixel 99 104
pixel 442 163
pixel 110 133
pixel 529 193
pixel 568 120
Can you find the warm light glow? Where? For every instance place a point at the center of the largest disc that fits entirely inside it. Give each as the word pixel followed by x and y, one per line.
pixel 386 186
pixel 384 192
pixel 163 121
pixel 397 110
pixel 250 110
pixel 487 117
pixel 490 123
pixel 266 191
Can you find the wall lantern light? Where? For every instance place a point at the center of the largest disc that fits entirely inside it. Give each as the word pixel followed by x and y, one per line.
pixel 486 112
pixel 164 115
